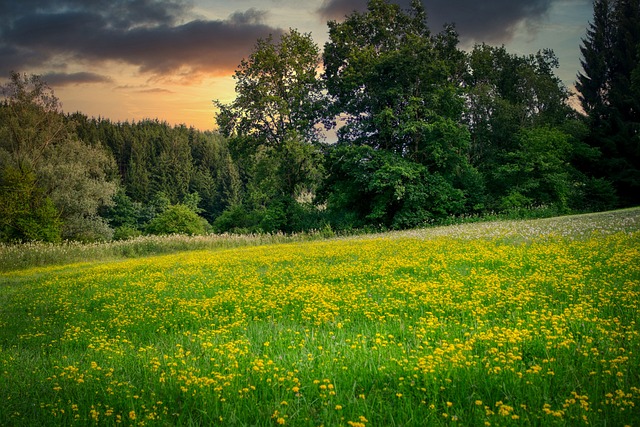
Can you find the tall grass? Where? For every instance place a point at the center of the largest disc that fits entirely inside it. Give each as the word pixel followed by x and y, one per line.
pixel 20 256
pixel 38 254
pixel 511 323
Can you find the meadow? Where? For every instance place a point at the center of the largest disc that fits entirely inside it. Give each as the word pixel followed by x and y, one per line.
pixel 497 324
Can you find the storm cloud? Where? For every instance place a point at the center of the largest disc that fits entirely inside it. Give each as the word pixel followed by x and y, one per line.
pixel 159 37
pixel 491 21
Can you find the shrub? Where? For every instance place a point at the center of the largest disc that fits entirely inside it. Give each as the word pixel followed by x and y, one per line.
pixel 236 219
pixel 178 219
pixel 125 232
pixel 379 189
pixel 87 228
pixel 595 194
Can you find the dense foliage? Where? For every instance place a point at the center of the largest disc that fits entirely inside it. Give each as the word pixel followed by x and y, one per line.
pixel 423 132
pixel 52 183
pixel 397 89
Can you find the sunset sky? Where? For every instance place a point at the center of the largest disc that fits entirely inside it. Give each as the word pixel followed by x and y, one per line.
pixel 168 59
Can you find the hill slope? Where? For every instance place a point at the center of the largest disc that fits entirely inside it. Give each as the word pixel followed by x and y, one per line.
pixel 523 323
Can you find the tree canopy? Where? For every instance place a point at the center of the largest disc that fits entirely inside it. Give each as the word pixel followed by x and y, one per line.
pixel 425 132
pixel 278 92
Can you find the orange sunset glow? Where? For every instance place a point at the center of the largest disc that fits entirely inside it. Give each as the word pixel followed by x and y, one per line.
pixel 129 60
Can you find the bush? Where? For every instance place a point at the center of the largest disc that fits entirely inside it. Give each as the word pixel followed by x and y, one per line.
pixel 126 232
pixel 379 189
pixel 236 219
pixel 178 219
pixel 274 218
pixel 594 194
pixel 515 200
pixel 87 228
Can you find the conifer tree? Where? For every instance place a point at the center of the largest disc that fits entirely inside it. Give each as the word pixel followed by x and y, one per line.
pixel 610 54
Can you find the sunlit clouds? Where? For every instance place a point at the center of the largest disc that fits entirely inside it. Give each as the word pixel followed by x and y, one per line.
pixel 119 59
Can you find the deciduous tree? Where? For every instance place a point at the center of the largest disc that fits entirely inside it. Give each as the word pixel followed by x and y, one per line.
pixel 397 89
pixel 513 103
pixel 272 127
pixel 43 160
pixel 278 92
pixel 393 83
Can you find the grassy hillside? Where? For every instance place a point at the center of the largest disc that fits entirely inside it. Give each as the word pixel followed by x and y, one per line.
pixel 507 323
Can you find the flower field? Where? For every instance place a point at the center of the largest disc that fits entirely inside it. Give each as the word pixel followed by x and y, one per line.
pixel 520 323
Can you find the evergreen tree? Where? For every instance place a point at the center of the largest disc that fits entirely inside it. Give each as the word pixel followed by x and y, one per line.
pixel 611 54
pixel 593 81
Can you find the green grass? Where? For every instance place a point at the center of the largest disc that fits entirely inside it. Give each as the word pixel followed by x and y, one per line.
pixel 505 323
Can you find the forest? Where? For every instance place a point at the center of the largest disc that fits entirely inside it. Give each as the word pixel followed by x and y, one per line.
pixel 389 126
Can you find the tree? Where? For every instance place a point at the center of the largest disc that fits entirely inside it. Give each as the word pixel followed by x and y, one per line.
pixel 26 214
pixel 506 92
pixel 272 127
pixel 397 88
pixel 173 169
pixel 49 166
pixel 79 179
pixel 393 83
pixel 625 104
pixel 124 216
pixel 157 161
pixel 278 92
pixel 509 98
pixel 29 123
pixel 611 54
pixel 215 175
pixel 536 172
pixel 30 120
pixel 593 81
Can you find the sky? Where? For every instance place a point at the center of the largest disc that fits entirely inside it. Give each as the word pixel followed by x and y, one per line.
pixel 169 59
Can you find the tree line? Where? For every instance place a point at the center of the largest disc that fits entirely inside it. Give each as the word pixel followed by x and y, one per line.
pixel 423 131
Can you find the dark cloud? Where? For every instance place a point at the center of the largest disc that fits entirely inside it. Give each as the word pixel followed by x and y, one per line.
pixel 160 37
pixel 120 13
pixel 250 17
pixel 491 21
pixel 65 79
pixel 338 9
